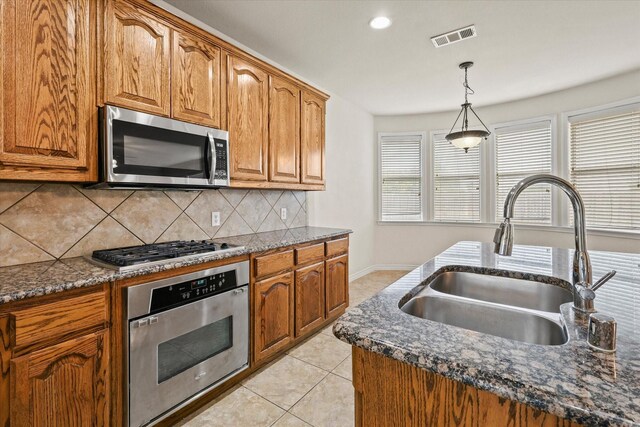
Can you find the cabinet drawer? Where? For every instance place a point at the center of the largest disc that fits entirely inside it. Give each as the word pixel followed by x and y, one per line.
pixel 337 247
pixel 309 254
pixel 274 263
pixel 48 321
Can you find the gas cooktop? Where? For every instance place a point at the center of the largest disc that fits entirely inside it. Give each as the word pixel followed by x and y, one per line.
pixel 136 257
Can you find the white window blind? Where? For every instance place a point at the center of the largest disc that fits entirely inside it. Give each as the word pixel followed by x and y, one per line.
pixel 605 166
pixel 521 151
pixel 401 177
pixel 456 183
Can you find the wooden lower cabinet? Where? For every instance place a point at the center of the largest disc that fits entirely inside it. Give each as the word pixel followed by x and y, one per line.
pixel 390 393
pixel 337 284
pixel 273 314
pixel 62 385
pixel 309 294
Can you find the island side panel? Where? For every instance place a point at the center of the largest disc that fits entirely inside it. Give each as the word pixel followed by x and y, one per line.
pixel 391 393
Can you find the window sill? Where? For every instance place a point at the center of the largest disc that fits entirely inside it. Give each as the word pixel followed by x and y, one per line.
pixel 628 234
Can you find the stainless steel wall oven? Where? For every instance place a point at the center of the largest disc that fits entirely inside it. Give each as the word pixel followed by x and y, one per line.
pixel 186 334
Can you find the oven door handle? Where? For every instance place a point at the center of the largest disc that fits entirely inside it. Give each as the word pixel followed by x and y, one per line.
pixel 211 146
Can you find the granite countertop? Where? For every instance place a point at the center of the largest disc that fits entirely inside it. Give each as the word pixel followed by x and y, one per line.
pixel 571 380
pixel 42 278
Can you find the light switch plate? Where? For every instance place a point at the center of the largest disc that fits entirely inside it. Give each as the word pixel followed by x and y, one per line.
pixel 283 213
pixel 215 219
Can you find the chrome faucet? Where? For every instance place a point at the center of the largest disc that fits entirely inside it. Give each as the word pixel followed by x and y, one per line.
pixel 583 289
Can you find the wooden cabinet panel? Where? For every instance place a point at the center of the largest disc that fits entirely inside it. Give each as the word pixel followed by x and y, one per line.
pixel 48 119
pixel 312 131
pixel 309 295
pixel 337 284
pixel 310 253
pixel 195 80
pixel 272 315
pixel 62 385
pixel 53 320
pixel 274 263
pixel 284 131
pixel 248 113
pixel 336 247
pixel 136 65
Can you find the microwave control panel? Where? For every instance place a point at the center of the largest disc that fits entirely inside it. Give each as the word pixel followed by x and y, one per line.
pixel 221 159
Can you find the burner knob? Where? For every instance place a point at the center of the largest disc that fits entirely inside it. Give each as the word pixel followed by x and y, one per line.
pixel 224 246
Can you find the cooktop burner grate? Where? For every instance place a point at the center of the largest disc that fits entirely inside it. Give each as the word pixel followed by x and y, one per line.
pixel 144 254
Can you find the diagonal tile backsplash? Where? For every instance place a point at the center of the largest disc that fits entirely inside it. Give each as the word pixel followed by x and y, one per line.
pixel 40 222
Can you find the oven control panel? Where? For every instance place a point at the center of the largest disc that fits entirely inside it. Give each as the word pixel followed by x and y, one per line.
pixel 189 291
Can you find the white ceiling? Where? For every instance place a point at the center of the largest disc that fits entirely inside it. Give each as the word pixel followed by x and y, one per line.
pixel 523 48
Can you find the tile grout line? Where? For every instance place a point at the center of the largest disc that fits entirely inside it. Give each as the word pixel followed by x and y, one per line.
pixel 21 198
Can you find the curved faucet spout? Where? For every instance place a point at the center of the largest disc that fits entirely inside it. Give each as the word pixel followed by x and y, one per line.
pixel 504 234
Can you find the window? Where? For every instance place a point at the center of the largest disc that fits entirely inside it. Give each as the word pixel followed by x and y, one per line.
pixel 401 171
pixel 605 165
pixel 456 182
pixel 523 150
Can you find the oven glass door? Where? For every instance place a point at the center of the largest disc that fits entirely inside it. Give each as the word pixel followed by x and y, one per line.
pixel 177 353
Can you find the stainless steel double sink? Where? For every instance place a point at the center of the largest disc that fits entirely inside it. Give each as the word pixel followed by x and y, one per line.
pixel 516 309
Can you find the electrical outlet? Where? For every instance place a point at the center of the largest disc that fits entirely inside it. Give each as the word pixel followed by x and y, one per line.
pixel 283 213
pixel 215 219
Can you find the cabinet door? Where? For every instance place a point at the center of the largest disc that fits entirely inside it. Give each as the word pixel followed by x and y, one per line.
pixel 195 80
pixel 284 131
pixel 62 385
pixel 312 156
pixel 337 285
pixel 309 291
pixel 273 314
pixel 137 58
pixel 48 118
pixel 248 105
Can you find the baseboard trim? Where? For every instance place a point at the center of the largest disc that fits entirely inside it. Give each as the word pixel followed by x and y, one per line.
pixel 380 267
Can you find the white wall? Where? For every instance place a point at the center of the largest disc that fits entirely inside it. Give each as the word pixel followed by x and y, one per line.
pixel 350 170
pixel 414 244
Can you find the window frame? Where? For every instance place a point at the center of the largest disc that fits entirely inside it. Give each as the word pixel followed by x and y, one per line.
pixel 492 167
pixel 431 173
pixel 589 113
pixel 423 156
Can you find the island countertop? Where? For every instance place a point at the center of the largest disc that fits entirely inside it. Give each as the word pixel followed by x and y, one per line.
pixel 43 278
pixel 571 380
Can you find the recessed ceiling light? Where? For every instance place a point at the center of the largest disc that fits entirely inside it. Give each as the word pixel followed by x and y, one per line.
pixel 380 22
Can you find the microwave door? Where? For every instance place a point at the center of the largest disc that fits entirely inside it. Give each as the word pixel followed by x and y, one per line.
pixel 159 151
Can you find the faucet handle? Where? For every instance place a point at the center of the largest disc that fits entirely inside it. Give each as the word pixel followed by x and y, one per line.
pixel 604 279
pixel 583 298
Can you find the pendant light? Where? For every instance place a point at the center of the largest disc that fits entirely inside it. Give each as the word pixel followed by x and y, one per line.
pixel 466 138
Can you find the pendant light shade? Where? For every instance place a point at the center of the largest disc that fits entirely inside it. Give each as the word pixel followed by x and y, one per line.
pixel 466 138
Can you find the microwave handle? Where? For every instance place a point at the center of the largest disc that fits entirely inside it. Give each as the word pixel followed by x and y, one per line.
pixel 212 158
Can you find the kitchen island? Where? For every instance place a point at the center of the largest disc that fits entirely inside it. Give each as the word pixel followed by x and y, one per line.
pixel 569 384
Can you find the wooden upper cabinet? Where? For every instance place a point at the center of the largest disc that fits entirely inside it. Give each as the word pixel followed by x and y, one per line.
pixel 337 284
pixel 273 315
pixel 248 114
pixel 284 131
pixel 312 154
pixel 195 80
pixel 137 58
pixel 48 118
pixel 63 385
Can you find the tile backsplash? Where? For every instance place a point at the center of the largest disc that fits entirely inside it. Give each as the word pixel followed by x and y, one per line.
pixel 40 222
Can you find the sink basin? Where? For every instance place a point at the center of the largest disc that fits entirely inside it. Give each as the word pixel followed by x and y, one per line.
pixel 502 290
pixel 518 325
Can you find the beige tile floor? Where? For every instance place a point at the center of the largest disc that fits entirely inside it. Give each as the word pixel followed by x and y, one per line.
pixel 308 386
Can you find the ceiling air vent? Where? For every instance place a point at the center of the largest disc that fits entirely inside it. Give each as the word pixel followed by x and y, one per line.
pixel 454 36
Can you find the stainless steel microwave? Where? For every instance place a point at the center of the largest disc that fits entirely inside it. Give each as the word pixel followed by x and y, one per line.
pixel 143 150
